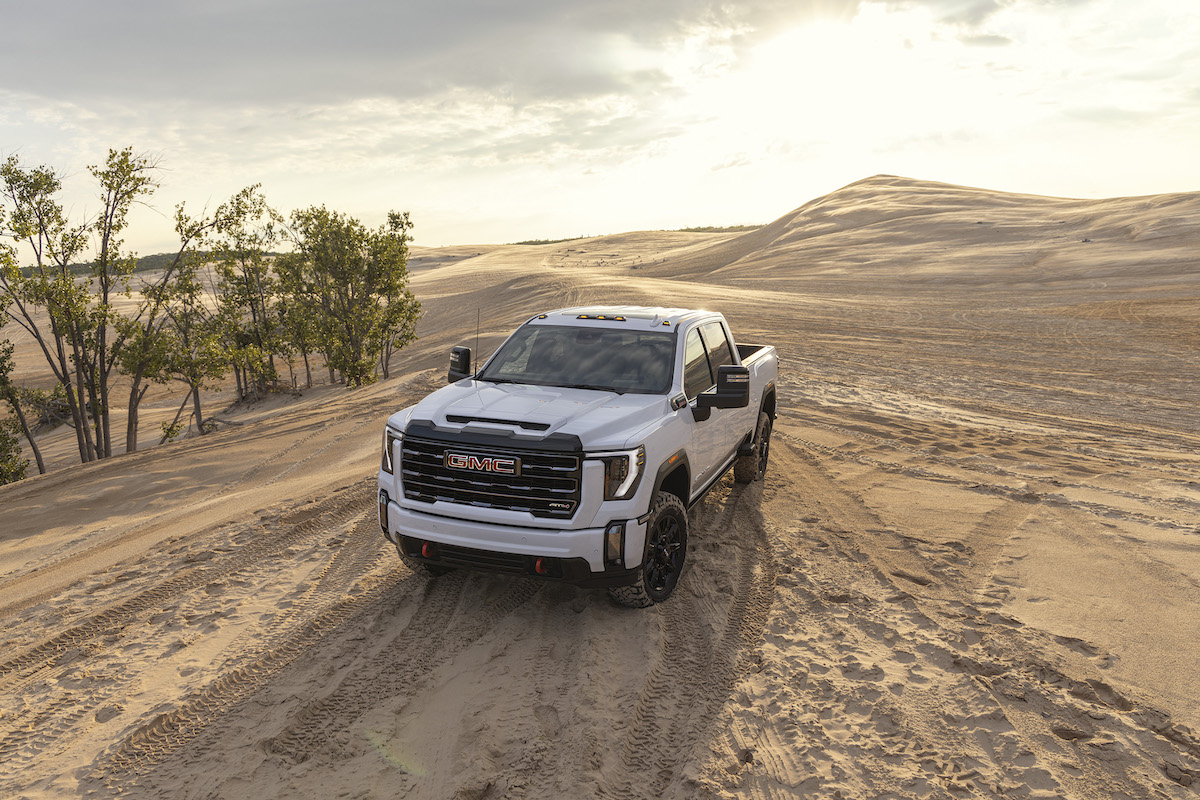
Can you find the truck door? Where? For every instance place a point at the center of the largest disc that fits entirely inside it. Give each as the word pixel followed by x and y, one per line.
pixel 707 347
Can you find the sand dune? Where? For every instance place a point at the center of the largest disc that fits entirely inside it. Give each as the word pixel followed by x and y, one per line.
pixel 972 571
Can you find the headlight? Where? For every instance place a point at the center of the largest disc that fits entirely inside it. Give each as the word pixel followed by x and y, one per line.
pixel 622 472
pixel 390 437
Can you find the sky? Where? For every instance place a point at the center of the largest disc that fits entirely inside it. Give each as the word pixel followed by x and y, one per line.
pixel 497 122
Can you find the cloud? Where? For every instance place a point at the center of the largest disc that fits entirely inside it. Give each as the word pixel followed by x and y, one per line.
pixel 1109 117
pixel 964 12
pixel 986 40
pixel 280 51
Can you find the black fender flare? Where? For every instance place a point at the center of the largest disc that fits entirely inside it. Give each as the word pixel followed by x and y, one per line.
pixel 673 464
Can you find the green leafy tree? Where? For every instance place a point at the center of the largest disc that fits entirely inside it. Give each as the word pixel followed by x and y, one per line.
pixel 297 316
pixel 354 281
pixel 194 352
pixel 147 341
pixel 77 330
pixel 248 289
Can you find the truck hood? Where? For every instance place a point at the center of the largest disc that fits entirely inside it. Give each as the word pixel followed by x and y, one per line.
pixel 601 420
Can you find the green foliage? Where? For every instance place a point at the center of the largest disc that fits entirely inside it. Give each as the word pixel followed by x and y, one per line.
pixel 171 429
pixel 715 229
pixel 353 282
pixel 225 300
pixel 551 241
pixel 248 291
pixel 78 328
pixel 12 465
pixel 193 347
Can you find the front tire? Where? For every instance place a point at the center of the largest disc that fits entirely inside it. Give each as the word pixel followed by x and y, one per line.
pixel 666 550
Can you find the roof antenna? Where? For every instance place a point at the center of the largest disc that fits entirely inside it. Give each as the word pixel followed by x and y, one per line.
pixel 476 376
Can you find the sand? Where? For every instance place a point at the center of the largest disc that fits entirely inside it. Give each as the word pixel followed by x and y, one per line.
pixel 972 570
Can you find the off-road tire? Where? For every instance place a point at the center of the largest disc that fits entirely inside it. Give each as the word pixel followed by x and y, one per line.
pixel 666 551
pixel 748 469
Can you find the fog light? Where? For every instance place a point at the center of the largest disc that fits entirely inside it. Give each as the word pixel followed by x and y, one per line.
pixel 614 543
pixel 383 504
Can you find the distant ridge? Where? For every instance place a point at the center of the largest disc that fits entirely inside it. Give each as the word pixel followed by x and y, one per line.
pixel 915 216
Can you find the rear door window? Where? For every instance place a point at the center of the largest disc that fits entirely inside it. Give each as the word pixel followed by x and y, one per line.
pixel 717 344
pixel 697 375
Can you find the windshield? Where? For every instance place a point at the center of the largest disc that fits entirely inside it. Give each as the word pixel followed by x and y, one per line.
pixel 585 358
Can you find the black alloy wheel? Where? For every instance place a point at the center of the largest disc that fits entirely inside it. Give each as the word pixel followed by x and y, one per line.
pixel 665 554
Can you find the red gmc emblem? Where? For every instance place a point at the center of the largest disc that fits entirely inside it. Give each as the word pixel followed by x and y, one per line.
pixel 474 463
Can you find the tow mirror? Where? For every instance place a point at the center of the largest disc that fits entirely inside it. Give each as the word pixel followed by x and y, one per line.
pixel 732 389
pixel 460 364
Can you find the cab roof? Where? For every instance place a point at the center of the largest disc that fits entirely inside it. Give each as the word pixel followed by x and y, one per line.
pixel 634 316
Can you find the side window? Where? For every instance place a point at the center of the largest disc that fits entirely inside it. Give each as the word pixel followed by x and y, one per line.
pixel 696 374
pixel 717 343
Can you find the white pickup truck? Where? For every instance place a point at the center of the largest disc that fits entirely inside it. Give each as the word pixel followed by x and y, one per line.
pixel 575 451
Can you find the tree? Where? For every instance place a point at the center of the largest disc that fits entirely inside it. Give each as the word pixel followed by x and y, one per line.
pixel 146 342
pixel 193 351
pixel 355 283
pixel 78 335
pixel 246 231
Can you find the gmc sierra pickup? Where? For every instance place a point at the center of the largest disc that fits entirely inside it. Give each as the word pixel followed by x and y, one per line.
pixel 574 453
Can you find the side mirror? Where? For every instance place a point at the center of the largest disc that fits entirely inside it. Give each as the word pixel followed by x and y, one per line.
pixel 460 364
pixel 732 389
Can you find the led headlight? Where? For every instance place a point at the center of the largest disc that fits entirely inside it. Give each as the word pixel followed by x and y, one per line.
pixel 390 437
pixel 622 472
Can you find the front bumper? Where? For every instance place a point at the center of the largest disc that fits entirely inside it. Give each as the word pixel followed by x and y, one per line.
pixel 571 556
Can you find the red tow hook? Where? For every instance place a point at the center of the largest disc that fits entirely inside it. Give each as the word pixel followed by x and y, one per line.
pixel 427 549
pixel 539 566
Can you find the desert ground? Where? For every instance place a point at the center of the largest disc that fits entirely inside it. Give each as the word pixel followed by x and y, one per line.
pixel 972 569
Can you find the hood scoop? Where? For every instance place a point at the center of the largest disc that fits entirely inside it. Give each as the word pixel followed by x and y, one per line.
pixel 461 419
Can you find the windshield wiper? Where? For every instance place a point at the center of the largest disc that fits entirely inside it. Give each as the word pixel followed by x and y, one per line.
pixel 590 386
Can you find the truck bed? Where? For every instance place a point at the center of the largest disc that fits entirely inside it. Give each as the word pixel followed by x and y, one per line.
pixel 748 352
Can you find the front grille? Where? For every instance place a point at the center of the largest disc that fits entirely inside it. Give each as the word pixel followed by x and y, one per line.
pixel 546 485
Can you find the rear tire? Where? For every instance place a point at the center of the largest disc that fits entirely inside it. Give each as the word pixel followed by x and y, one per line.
pixel 748 469
pixel 666 551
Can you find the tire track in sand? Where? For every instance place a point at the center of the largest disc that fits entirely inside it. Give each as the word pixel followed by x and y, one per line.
pixel 156 740
pixel 439 628
pixel 80 641
pixel 436 633
pixel 360 410
pixel 704 645
pixel 45 728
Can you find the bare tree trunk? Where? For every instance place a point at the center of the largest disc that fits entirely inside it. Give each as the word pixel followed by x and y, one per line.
pixel 37 453
pixel 136 393
pixel 384 358
pixel 105 428
pixel 196 410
